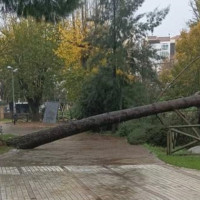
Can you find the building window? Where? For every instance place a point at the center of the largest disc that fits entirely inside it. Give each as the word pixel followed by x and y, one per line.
pixel 164 46
pixel 164 54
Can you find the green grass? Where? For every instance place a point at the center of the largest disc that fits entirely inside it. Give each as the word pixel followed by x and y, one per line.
pixel 180 159
pixel 4 138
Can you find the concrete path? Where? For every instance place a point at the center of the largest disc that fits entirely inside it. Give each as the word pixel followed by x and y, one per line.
pixel 124 182
pixel 92 167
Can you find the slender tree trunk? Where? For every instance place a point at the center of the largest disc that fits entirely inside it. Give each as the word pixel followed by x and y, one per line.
pixel 114 40
pixel 84 15
pixel 198 113
pixel 36 139
pixel 114 126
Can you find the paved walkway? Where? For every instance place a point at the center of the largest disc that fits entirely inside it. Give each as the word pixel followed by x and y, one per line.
pixel 92 167
pixel 124 182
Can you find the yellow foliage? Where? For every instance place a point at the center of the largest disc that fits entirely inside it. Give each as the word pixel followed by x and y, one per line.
pixel 73 49
pixel 187 49
pixel 72 46
pixel 165 75
pixel 188 46
pixel 131 77
pixel 119 72
pixel 127 76
pixel 95 70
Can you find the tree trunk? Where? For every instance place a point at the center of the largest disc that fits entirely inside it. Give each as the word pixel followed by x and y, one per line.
pixel 46 136
pixel 35 114
pixel 34 107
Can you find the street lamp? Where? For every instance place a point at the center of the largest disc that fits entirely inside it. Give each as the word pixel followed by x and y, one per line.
pixel 13 89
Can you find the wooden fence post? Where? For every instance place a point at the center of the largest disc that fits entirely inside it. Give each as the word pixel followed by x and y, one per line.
pixel 168 144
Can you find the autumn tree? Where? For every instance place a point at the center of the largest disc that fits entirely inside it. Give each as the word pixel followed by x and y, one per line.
pixel 73 49
pixel 31 48
pixel 187 50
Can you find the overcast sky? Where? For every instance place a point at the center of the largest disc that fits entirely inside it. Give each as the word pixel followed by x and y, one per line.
pixel 179 14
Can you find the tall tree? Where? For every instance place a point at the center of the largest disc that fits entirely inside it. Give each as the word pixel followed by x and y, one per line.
pixel 73 49
pixel 118 39
pixel 32 48
pixel 119 31
pixel 50 10
pixel 187 51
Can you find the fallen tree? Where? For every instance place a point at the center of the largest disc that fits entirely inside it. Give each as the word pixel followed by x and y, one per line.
pixel 36 139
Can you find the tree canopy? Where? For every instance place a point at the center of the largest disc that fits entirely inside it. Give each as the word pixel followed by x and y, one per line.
pixel 73 49
pixel 31 50
pixel 187 50
pixel 117 40
pixel 118 34
pixel 50 10
pixel 103 42
pixel 195 5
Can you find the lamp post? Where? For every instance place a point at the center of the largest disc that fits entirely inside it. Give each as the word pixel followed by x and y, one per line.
pixel 13 90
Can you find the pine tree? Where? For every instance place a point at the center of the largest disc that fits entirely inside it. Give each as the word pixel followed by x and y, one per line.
pixel 119 51
pixel 119 33
pixel 50 10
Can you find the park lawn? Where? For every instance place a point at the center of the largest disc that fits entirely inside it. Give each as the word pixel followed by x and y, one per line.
pixel 180 159
pixel 4 138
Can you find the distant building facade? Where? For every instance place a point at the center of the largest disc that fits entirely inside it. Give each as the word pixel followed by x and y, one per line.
pixel 165 47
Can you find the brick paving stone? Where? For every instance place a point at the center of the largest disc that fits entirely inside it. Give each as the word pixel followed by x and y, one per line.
pixel 110 182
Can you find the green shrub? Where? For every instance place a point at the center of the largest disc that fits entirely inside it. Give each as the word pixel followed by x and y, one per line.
pixel 5 137
pixel 182 139
pixel 134 130
pixel 151 131
pixel 137 136
pixel 142 131
pixel 157 135
pixel 125 129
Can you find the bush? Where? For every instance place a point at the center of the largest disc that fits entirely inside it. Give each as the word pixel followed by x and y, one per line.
pixel 157 135
pixel 125 129
pixel 134 130
pixel 151 131
pixel 137 136
pixel 144 131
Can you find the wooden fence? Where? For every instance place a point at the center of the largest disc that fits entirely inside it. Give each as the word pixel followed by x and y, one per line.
pixel 175 131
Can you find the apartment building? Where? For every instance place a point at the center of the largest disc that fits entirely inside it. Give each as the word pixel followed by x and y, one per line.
pixel 165 47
